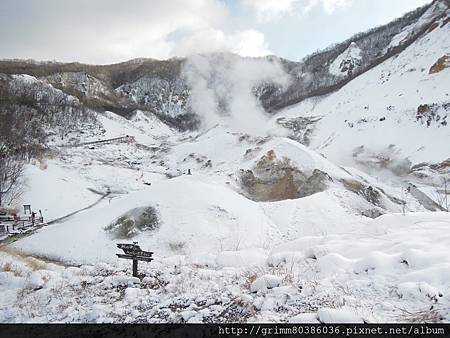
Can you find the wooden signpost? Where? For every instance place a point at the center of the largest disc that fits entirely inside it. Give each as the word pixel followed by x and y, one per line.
pixel 134 252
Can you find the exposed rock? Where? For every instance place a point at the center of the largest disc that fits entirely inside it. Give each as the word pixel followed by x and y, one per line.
pixel 274 180
pixel 198 159
pixel 433 113
pixel 423 108
pixel 302 127
pixel 442 63
pixel 282 187
pixel 393 199
pixel 317 182
pixel 372 213
pixel 250 153
pixel 444 165
pixel 347 62
pixel 429 170
pixel 208 164
pixel 370 194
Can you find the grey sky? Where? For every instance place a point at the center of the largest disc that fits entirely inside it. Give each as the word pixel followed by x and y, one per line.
pixel 105 31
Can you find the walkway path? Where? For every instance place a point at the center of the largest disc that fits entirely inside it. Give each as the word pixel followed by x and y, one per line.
pixel 30 231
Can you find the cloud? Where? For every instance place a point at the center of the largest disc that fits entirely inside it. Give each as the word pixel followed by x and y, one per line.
pixel 271 10
pixel 106 31
pixel 245 43
pixel 329 6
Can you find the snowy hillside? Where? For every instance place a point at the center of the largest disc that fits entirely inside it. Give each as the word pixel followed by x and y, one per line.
pixel 168 88
pixel 328 210
pixel 379 114
pixel 347 62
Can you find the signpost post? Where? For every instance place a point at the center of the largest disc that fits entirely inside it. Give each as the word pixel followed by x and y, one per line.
pixel 135 253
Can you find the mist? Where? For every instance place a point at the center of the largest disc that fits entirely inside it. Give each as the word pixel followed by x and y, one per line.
pixel 224 89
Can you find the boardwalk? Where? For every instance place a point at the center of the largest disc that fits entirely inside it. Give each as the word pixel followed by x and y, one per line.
pixel 127 138
pixel 20 232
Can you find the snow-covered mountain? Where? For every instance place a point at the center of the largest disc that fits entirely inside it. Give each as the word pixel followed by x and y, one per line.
pixel 395 112
pixel 164 87
pixel 269 190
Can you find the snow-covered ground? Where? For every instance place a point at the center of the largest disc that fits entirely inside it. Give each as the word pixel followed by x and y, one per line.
pixel 218 255
pixel 394 268
pixel 358 247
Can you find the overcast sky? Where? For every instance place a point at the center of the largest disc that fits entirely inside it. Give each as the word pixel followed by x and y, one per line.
pixel 107 31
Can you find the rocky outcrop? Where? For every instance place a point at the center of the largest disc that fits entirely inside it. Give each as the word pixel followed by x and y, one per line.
pixel 428 114
pixel 442 63
pixel 274 179
pixel 302 127
pixel 369 193
pixel 372 213
pixel 317 182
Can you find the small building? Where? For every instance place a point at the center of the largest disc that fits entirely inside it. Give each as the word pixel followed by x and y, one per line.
pixel 27 209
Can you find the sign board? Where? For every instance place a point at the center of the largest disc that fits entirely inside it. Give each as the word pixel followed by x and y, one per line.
pixel 145 259
pixel 134 252
pixel 129 249
pixel 145 254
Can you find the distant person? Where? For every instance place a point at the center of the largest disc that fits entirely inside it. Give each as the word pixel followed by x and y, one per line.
pixel 33 218
pixel 42 217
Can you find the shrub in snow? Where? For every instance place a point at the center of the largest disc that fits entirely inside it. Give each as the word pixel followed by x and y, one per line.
pixel 134 221
pixel 265 282
pixel 148 219
pixel 177 246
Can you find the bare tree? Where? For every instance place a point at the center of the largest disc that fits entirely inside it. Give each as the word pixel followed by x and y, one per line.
pixel 405 192
pixel 11 178
pixel 441 195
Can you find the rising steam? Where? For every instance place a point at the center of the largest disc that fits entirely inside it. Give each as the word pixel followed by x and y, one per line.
pixel 223 89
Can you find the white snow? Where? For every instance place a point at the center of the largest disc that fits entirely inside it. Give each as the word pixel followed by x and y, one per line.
pixel 219 255
pixel 330 316
pixel 265 282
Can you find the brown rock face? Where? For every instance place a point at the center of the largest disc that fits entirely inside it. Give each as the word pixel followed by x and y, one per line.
pixel 275 180
pixel 423 108
pixel 442 63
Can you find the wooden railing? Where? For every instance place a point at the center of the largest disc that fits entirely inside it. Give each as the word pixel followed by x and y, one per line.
pixel 110 140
